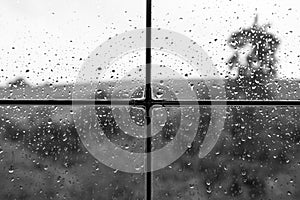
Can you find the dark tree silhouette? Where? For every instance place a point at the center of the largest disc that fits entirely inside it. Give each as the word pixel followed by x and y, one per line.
pixel 253 77
pixel 246 124
pixel 18 83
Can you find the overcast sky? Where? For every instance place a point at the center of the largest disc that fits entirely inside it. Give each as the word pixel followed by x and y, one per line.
pixel 47 41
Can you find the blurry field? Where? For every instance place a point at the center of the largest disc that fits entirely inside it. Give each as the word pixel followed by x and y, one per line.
pixel 256 157
pixel 42 157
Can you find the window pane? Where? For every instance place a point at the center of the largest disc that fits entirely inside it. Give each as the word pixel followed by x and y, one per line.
pixel 253 47
pixel 256 156
pixel 46 43
pixel 43 157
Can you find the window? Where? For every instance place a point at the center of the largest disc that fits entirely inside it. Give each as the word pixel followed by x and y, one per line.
pixel 149 99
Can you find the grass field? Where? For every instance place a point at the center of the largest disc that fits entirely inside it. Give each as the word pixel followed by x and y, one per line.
pixel 256 157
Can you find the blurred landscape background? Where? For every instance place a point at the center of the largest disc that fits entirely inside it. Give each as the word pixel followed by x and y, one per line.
pixel 256 157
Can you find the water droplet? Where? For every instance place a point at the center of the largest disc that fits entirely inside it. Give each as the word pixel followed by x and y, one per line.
pixel 208 182
pixel 159 94
pixel 11 169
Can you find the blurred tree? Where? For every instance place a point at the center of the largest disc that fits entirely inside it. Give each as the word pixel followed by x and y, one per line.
pixel 248 155
pixel 19 82
pixel 258 66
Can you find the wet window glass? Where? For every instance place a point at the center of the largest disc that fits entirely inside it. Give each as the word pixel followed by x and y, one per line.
pixel 149 99
pixel 44 44
pixel 252 44
pixel 43 157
